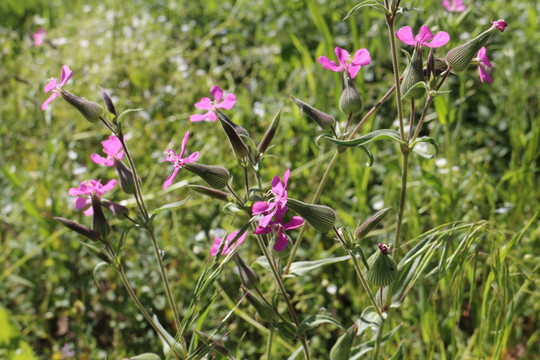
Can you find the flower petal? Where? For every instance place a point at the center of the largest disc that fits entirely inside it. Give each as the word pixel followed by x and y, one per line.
pixel 266 219
pixel 228 102
pixel 199 117
pixel 484 75
pixel 405 34
pixel 439 40
pixel 50 85
pixel 191 158
pixel 259 207
pixel 262 230
pixel 48 101
pixel 446 5
pixel 216 92
pixel 204 104
pixel 184 141
pixel 361 57
pixel 482 55
pixel 98 159
pixel 281 242
pixel 424 35
pixel 343 57
pixel 81 203
pixel 296 221
pixel 170 179
pixel 215 247
pixel 66 75
pixel 328 64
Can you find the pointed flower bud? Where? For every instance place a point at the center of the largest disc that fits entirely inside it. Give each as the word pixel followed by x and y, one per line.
pixel 321 217
pixel 100 223
pixel 265 311
pixel 213 193
pixel 108 101
pixel 414 74
pixel 324 120
pixel 382 268
pixel 215 176
pixel 350 101
pixel 127 181
pixel 269 135
pixel 239 147
pixel 90 110
pixel 342 347
pixel 460 57
pixel 78 228
pixel 370 223
pixel 249 277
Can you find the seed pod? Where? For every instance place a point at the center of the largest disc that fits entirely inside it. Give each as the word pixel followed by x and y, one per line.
pixel 414 74
pixel 127 182
pixel 269 135
pixel 100 223
pixel 78 228
pixel 342 348
pixel 265 311
pixel 249 277
pixel 213 193
pixel 321 217
pixel 215 176
pixel 324 120
pixel 90 110
pixel 350 101
pixel 108 101
pixel 382 268
pixel 370 223
pixel 460 57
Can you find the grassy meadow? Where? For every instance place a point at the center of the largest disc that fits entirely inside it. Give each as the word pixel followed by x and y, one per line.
pixel 476 292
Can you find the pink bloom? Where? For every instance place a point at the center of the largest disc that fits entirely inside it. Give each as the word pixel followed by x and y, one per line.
pixel 178 161
pixel 55 87
pixel 275 205
pixel 454 5
pixel 39 37
pixel 483 63
pixel 361 57
pixel 113 149
pixel 228 247
pixel 278 227
pixel 405 34
pixel 500 24
pixel 85 190
pixel 212 106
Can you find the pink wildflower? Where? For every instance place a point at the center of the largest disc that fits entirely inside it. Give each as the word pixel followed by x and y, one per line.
pixel 39 37
pixel 454 5
pixel 277 203
pixel 85 190
pixel 483 63
pixel 212 106
pixel 178 161
pixel 113 149
pixel 352 66
pixel 405 34
pixel 500 24
pixel 56 87
pixel 278 227
pixel 228 247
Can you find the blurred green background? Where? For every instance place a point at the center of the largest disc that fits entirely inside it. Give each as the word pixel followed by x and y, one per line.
pixel 163 56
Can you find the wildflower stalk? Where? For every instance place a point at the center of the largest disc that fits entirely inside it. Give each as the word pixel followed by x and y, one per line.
pixel 269 343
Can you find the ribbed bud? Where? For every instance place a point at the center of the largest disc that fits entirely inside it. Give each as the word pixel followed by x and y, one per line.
pixel 213 193
pixel 249 277
pixel 382 268
pixel 90 110
pixel 263 309
pixel 269 135
pixel 108 101
pixel 324 120
pixel 99 223
pixel 460 57
pixel 215 176
pixel 350 101
pixel 127 182
pixel 78 228
pixel 117 210
pixel 321 217
pixel 370 223
pixel 342 348
pixel 414 74
pixel 239 147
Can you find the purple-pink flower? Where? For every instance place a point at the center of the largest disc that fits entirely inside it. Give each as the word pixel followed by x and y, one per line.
pixel 454 5
pixel 178 161
pixel 278 202
pixel 39 37
pixel 56 87
pixel 405 34
pixel 483 63
pixel 278 227
pixel 113 149
pixel 352 66
pixel 213 106
pixel 228 247
pixel 500 24
pixel 84 193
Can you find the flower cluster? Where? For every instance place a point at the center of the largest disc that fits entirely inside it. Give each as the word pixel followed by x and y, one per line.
pixel 178 161
pixel 84 193
pixel 346 64
pixel 213 106
pixel 405 34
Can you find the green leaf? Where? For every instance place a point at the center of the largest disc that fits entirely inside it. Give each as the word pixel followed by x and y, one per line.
pixel 315 320
pixel 145 356
pixel 300 268
pixel 96 268
pixel 429 149
pixel 169 206
pixel 412 88
pixel 370 3
pixel 370 317
pixel 124 113
pixel 368 138
pixel 295 354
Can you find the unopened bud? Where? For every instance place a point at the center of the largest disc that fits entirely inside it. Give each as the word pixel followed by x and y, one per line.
pixel 100 223
pixel 460 57
pixel 321 217
pixel 382 268
pixel 249 277
pixel 269 135
pixel 117 210
pixel 414 74
pixel 239 147
pixel 265 311
pixel 90 110
pixel 78 228
pixel 342 348
pixel 215 176
pixel 108 101
pixel 350 101
pixel 324 120
pixel 370 223
pixel 127 182
pixel 213 193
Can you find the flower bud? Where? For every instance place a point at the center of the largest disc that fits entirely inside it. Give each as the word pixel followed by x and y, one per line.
pixel 342 348
pixel 117 210
pixel 350 101
pixel 324 120
pixel 127 182
pixel 265 311
pixel 215 176
pixel 370 223
pixel 108 101
pixel 269 135
pixel 249 277
pixel 239 147
pixel 460 57
pixel 99 223
pixel 321 217
pixel 78 228
pixel 213 193
pixel 382 268
pixel 239 130
pixel 90 110
pixel 413 74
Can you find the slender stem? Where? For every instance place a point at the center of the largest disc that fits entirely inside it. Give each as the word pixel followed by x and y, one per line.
pixel 380 330
pixel 390 23
pixel 246 181
pixel 422 118
pixel 269 343
pixel 347 124
pixel 235 195
pixel 411 122
pixel 402 200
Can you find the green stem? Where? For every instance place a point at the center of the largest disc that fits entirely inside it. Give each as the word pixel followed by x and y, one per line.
pixel 390 23
pixel 269 343
pixel 378 342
